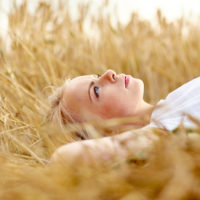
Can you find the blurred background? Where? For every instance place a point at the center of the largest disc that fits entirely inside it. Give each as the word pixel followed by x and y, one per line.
pixel 118 10
pixel 44 42
pixel 121 9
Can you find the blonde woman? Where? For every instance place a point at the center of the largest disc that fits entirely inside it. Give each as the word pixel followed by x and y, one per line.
pixel 114 95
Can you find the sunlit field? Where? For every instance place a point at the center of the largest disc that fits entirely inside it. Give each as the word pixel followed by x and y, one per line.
pixel 48 47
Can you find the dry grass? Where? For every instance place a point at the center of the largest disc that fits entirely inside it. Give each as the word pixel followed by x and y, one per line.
pixel 47 48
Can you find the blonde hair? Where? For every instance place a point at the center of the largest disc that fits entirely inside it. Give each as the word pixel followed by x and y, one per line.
pixel 58 113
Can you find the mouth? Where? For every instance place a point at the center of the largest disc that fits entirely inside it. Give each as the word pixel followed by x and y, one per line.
pixel 126 80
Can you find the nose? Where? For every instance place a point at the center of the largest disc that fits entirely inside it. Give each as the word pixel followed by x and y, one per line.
pixel 109 75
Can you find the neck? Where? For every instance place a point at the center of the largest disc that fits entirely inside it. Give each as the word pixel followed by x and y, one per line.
pixel 146 109
pixel 144 113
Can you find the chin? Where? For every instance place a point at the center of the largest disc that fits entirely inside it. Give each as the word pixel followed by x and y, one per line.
pixel 140 84
pixel 140 81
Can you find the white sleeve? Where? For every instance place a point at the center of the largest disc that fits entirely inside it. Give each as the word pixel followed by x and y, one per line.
pixel 169 113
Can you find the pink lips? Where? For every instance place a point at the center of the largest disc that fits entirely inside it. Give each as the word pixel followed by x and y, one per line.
pixel 127 78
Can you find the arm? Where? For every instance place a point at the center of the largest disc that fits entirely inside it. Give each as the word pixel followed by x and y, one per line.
pixel 135 144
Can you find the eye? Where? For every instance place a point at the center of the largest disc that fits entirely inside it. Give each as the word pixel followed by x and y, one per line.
pixel 96 91
pixel 98 75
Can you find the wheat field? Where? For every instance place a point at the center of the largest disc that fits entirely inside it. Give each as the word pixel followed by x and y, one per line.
pixel 48 47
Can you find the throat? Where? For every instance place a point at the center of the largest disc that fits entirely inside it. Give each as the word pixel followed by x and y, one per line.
pixel 144 113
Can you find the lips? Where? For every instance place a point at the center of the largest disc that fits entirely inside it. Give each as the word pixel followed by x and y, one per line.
pixel 127 79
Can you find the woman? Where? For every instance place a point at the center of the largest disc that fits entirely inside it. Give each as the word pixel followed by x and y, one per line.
pixel 99 97
pixel 110 95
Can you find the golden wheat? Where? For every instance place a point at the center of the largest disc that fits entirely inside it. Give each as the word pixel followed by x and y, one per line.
pixel 48 47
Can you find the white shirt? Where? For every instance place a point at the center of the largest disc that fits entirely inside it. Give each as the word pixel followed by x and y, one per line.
pixel 169 113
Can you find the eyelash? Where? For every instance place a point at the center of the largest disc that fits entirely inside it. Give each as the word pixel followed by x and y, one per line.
pixel 96 91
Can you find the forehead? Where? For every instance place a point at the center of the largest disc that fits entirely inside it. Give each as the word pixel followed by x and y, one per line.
pixel 81 80
pixel 76 90
pixel 76 99
pixel 80 83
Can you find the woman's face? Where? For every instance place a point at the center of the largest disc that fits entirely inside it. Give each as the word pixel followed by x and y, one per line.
pixel 107 96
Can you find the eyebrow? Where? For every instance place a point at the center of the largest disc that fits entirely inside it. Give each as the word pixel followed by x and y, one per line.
pixel 91 84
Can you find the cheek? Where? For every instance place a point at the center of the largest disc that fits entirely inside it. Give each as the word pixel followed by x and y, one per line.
pixel 114 107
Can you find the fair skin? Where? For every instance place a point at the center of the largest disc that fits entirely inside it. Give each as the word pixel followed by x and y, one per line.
pixel 134 144
pixel 108 96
